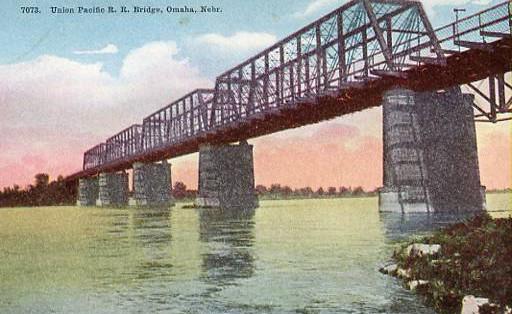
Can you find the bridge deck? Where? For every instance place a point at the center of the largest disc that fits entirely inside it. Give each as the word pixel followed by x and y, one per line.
pixel 468 66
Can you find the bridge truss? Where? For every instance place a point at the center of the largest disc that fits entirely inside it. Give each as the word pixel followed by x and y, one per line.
pixel 338 64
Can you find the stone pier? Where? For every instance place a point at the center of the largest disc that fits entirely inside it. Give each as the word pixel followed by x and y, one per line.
pixel 113 189
pixel 430 153
pixel 88 190
pixel 152 184
pixel 226 176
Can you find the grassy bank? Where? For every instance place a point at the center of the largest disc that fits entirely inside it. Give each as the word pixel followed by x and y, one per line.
pixel 475 259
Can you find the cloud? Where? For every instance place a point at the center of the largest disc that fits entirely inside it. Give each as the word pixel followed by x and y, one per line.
pixel 108 49
pixel 431 5
pixel 238 42
pixel 57 108
pixel 317 6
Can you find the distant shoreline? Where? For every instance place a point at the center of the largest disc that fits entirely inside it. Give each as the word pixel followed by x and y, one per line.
pixel 275 197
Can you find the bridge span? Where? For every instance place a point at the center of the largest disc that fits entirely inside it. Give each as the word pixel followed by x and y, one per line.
pixel 364 54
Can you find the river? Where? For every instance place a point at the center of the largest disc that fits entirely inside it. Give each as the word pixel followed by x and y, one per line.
pixel 307 256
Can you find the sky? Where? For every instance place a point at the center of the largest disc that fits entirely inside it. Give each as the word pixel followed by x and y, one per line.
pixel 69 81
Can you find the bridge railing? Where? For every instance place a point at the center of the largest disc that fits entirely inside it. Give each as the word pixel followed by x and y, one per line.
pixel 350 44
pixel 346 45
pixel 125 143
pixel 361 40
pixel 95 156
pixel 181 119
pixel 483 27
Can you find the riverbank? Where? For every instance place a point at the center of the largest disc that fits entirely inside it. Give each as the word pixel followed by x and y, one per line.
pixel 463 260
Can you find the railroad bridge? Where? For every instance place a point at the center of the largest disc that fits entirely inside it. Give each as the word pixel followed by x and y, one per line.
pixel 365 53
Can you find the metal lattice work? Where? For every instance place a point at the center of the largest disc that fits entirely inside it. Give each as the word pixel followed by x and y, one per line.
pixel 124 143
pixel 477 31
pixel 184 118
pixel 352 44
pixel 95 156
pixel 341 63
pixel 497 108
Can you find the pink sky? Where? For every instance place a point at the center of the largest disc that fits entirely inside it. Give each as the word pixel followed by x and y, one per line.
pixel 45 127
pixel 328 154
pixel 336 154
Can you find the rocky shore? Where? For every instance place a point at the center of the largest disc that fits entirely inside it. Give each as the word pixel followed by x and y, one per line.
pixel 465 268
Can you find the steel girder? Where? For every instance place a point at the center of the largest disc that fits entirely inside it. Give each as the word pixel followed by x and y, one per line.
pixel 479 31
pixel 497 108
pixel 176 122
pixel 184 118
pixel 124 143
pixel 361 41
pixel 354 43
pixel 95 156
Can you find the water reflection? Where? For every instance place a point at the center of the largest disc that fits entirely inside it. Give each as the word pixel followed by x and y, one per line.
pixel 114 223
pixel 229 235
pixel 399 227
pixel 152 234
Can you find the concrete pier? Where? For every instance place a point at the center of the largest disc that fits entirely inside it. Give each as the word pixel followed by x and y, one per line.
pixel 113 189
pixel 152 184
pixel 430 153
pixel 88 190
pixel 226 176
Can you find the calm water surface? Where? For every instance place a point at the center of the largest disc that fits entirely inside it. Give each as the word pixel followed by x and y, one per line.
pixel 310 256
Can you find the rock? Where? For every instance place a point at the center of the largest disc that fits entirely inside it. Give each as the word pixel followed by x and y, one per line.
pixel 389 269
pixel 471 305
pixel 419 249
pixel 413 284
pixel 403 273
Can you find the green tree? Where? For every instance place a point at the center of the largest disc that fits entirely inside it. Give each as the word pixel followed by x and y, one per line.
pixel 179 190
pixel 358 191
pixel 261 189
pixel 42 180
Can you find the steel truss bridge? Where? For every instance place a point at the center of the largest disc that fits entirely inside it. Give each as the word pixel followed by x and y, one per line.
pixel 339 64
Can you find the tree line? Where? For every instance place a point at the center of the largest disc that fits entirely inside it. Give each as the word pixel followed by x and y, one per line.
pixel 58 192
pixel 277 191
pixel 41 193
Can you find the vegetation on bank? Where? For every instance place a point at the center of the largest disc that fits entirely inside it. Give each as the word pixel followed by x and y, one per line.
pixel 276 191
pixel 180 192
pixel 41 193
pixel 503 191
pixel 474 259
pixel 58 192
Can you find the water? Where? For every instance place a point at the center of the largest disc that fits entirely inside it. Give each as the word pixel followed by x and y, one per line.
pixel 309 256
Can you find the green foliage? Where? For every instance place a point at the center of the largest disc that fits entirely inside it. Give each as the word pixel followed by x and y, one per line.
pixel 475 259
pixel 42 193
pixel 180 192
pixel 278 191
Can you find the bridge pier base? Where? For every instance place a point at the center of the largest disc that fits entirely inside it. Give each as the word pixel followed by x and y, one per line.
pixel 88 190
pixel 152 184
pixel 113 189
pixel 430 153
pixel 226 177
